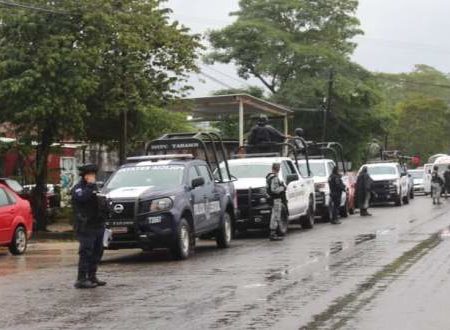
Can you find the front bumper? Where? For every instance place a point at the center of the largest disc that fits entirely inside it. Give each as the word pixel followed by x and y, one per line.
pixel 254 218
pixel 147 231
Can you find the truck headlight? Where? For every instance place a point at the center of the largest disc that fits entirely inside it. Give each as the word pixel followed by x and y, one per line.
pixel 162 204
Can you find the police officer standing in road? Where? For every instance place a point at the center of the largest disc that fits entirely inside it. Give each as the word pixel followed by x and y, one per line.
pixel 337 187
pixel 89 227
pixel 277 192
pixel 447 181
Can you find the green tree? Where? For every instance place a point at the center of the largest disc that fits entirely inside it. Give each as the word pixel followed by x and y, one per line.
pixel 67 71
pixel 281 40
pixel 423 126
pixel 291 46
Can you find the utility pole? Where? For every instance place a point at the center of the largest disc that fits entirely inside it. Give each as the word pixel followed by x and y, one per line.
pixel 124 138
pixel 327 106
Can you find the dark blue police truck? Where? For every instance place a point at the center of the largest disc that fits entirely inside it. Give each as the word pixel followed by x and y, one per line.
pixel 169 197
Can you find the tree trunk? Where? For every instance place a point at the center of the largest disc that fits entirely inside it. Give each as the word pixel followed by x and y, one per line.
pixel 40 191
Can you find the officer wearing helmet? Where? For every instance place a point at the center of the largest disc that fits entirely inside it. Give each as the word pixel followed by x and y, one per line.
pixel 89 227
pixel 263 133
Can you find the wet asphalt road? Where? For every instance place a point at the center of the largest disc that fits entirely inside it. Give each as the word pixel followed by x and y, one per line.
pixel 390 271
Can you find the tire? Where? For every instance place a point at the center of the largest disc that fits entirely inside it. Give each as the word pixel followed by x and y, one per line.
pixel 19 242
pixel 181 249
pixel 283 227
pixel 225 232
pixel 307 221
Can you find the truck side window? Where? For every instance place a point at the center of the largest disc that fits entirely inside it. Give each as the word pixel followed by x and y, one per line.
pixel 204 172
pixel 192 174
pixel 291 167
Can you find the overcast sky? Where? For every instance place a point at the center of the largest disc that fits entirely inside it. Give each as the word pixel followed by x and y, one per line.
pixel 398 35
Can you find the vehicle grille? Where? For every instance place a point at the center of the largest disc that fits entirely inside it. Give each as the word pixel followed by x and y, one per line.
pixel 126 215
pixel 382 187
pixel 244 197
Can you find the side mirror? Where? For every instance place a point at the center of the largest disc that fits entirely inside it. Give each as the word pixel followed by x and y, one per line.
pixel 291 178
pixel 197 182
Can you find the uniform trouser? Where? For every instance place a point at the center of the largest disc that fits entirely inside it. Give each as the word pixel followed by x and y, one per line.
pixel 436 191
pixel 275 217
pixel 336 199
pixel 90 251
pixel 366 203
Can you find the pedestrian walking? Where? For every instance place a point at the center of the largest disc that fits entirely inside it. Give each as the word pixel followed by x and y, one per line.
pixel 447 181
pixel 436 186
pixel 337 187
pixel 89 228
pixel 277 192
pixel 364 191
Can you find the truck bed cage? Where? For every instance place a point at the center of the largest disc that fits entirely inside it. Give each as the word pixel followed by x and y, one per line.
pixel 200 140
pixel 155 158
pixel 292 146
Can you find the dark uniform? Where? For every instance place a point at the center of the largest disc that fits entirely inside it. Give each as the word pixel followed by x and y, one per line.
pixel 447 181
pixel 337 187
pixel 89 228
pixel 262 134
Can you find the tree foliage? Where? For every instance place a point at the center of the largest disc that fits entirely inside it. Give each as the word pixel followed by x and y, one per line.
pixel 291 46
pixel 69 74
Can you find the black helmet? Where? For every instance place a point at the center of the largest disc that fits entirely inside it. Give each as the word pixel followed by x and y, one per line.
pixel 87 169
pixel 300 132
pixel 263 120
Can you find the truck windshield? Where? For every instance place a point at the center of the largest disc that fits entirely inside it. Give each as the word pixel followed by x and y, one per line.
pixel 317 169
pixel 382 170
pixel 417 175
pixel 241 171
pixel 144 176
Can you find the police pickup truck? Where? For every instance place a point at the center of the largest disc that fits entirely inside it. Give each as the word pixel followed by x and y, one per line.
pixel 253 201
pixel 166 201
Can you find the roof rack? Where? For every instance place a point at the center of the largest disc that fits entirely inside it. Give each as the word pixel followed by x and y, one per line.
pixel 199 140
pixel 257 155
pixel 155 158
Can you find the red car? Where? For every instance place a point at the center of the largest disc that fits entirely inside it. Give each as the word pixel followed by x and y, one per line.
pixel 16 221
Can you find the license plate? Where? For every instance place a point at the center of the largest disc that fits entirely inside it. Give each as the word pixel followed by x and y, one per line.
pixel 119 230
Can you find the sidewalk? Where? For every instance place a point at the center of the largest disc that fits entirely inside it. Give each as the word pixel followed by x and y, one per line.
pixel 60 231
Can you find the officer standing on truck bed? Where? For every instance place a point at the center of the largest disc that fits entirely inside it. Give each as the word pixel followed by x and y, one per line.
pixel 263 133
pixel 89 227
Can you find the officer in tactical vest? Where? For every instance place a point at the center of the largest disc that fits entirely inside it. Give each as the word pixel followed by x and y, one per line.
pixel 337 187
pixel 89 227
pixel 262 134
pixel 277 191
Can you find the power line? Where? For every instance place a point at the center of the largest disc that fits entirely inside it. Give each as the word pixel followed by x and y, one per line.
pixel 30 7
pixel 216 80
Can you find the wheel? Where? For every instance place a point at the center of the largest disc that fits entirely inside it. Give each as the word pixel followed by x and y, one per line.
pixel 223 237
pixel 343 211
pixel 181 249
pixel 399 200
pixel 307 221
pixel 283 226
pixel 19 243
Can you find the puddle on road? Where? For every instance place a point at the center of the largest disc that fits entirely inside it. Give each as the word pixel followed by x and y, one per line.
pixel 343 309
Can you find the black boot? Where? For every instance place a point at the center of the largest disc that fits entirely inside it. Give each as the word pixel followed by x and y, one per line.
pixel 363 212
pixel 274 236
pixel 93 278
pixel 84 283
